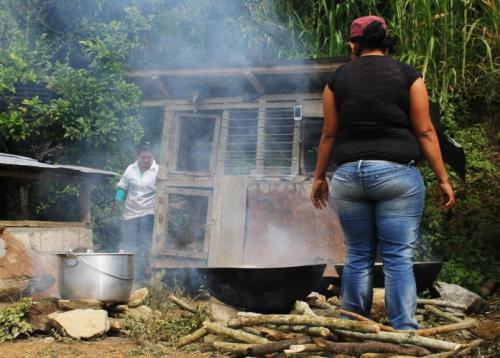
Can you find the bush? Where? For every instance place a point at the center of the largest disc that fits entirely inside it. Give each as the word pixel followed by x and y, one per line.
pixel 12 322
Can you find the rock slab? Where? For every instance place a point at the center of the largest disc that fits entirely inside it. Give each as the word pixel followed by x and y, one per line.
pixel 81 323
pixel 141 313
pixel 137 297
pixel 458 294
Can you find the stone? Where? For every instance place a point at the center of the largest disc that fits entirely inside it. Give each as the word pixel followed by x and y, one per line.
pixel 116 324
pixel 38 315
pixel 458 294
pixel 142 313
pixel 81 323
pixel 77 304
pixel 137 297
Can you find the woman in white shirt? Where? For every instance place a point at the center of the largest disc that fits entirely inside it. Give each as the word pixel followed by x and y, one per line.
pixel 137 189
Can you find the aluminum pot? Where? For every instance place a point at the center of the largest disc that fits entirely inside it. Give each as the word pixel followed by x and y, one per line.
pixel 107 277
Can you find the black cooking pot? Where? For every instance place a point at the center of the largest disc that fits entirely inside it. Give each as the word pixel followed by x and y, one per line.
pixel 425 274
pixel 262 289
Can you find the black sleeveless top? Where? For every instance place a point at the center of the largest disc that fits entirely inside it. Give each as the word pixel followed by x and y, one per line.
pixel 372 99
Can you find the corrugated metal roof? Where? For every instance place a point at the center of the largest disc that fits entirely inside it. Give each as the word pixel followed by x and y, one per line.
pixel 10 160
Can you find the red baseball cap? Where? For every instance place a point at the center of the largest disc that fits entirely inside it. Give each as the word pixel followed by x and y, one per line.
pixel 359 24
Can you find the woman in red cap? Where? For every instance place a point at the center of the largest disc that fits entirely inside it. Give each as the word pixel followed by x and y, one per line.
pixel 377 126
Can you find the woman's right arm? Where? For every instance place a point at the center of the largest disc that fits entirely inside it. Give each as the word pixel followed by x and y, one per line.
pixel 319 191
pixel 427 138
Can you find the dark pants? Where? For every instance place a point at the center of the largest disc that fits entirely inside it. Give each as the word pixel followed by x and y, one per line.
pixel 136 238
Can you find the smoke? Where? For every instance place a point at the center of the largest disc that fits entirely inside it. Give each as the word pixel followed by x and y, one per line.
pixel 205 34
pixel 288 248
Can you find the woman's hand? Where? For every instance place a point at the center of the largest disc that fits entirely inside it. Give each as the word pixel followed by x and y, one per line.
pixel 116 207
pixel 319 193
pixel 447 194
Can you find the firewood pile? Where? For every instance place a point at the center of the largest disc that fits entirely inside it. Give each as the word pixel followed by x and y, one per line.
pixel 320 328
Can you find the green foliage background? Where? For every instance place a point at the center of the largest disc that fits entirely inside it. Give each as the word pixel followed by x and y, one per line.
pixel 79 49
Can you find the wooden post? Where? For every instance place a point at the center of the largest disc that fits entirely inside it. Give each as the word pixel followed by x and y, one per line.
pixel 261 136
pixel 4 189
pixel 168 118
pixel 23 201
pixel 296 147
pixel 85 204
pixel 161 195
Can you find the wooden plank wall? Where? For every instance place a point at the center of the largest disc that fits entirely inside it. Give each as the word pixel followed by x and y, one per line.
pixel 227 248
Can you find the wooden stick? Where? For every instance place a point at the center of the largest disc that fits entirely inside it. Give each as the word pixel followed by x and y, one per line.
pixel 271 334
pixel 401 338
pixel 231 347
pixel 238 335
pixel 446 354
pixel 311 331
pixel 441 303
pixel 356 348
pixel 192 337
pixel 447 316
pixel 383 355
pixel 252 330
pixel 466 324
pixel 301 348
pixel 328 322
pixel 183 304
pixel 364 319
pixel 459 351
pixel 327 306
pixel 277 346
pixel 475 343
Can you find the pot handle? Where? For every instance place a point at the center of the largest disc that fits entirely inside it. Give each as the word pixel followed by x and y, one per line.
pixel 70 259
pixel 104 272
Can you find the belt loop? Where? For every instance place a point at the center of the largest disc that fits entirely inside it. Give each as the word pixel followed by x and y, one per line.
pixel 360 162
pixel 412 162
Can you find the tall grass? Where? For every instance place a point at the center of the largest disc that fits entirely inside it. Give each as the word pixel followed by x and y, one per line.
pixel 454 43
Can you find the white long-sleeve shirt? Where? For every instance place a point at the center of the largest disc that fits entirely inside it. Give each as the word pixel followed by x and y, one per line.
pixel 141 190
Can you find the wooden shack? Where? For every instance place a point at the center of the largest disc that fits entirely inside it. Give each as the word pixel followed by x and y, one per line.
pixel 238 152
pixel 27 246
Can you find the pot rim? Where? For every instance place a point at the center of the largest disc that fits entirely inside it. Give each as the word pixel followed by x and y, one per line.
pixel 258 267
pixel 94 253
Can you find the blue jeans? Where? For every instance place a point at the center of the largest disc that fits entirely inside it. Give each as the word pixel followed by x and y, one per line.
pixel 379 203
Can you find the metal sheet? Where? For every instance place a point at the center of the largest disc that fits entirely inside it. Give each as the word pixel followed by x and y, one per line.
pixel 283 228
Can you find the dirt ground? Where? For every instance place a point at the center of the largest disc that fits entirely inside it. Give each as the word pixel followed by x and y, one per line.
pixel 110 347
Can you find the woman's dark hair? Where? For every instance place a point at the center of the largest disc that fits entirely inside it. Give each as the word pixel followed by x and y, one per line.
pixel 374 38
pixel 144 147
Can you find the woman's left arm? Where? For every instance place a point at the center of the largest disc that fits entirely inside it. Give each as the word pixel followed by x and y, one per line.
pixel 319 191
pixel 427 138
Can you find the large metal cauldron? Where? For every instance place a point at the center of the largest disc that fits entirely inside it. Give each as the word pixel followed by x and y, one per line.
pixel 107 277
pixel 262 289
pixel 425 274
